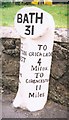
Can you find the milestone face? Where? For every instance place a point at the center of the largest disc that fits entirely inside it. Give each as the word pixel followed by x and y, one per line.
pixel 31 22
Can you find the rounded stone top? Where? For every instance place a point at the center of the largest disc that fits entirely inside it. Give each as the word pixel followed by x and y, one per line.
pixel 32 22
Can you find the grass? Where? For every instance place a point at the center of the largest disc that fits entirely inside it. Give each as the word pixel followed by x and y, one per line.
pixel 58 11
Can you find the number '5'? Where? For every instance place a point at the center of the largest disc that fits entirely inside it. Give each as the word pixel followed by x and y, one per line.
pixel 29 30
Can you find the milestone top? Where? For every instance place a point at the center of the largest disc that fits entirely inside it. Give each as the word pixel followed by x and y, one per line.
pixel 33 22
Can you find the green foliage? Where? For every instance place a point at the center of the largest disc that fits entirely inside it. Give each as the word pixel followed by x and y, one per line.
pixel 6 4
pixel 58 11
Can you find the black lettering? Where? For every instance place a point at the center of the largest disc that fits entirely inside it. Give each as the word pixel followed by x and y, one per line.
pixel 44 47
pixel 26 80
pixel 31 17
pixel 27 30
pixel 32 31
pixel 25 18
pixel 38 87
pixel 39 75
pixel 33 68
pixel 22 59
pixel 36 75
pixel 41 18
pixel 39 47
pixel 39 61
pixel 31 95
pixel 31 54
pixel 19 18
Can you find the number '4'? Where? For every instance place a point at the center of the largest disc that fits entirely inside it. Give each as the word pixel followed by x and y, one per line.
pixel 39 61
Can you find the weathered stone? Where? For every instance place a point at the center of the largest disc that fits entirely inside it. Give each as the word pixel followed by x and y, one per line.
pixel 10 66
pixel 61 35
pixel 59 62
pixel 58 90
pixel 10 83
pixel 64 45
pixel 13 52
pixel 9 44
pixel 17 42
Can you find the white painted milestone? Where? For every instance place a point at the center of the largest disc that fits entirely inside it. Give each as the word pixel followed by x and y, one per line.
pixel 36 28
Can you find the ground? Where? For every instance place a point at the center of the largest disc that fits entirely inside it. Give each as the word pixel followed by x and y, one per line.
pixel 51 109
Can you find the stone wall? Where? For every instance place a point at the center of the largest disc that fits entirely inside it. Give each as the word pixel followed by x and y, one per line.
pixel 59 82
